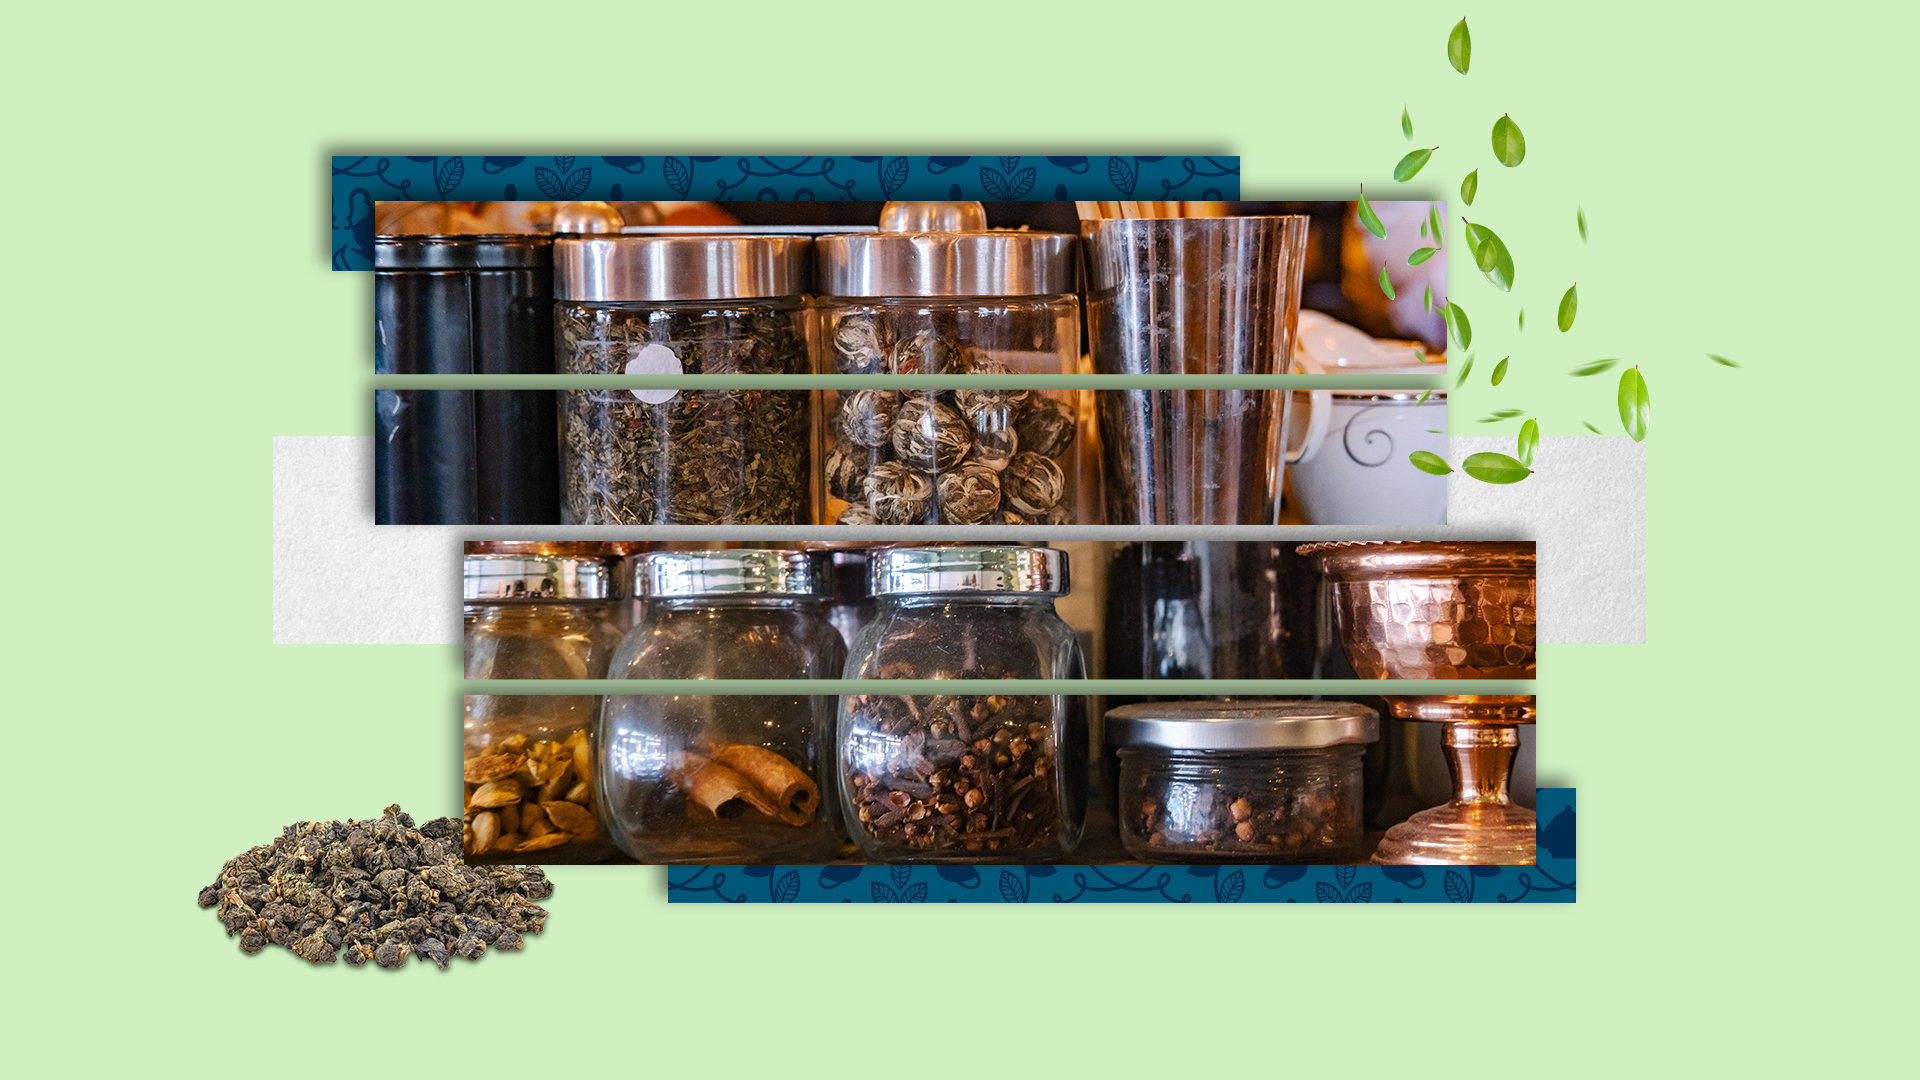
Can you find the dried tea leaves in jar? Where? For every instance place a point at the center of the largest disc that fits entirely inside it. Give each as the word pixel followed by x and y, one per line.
pixel 375 890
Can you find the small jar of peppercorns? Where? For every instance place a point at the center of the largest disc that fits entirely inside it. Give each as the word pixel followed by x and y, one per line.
pixel 1241 781
pixel 977 774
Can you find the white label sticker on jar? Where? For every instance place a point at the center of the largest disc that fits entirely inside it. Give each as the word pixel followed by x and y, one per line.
pixel 654 359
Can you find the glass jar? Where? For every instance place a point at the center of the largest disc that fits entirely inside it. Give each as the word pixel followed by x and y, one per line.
pixel 528 760
pixel 731 778
pixel 1242 781
pixel 671 305
pixel 972 775
pixel 957 301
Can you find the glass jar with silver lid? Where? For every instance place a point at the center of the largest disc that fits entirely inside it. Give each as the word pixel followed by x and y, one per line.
pixel 1245 781
pixel 972 774
pixel 693 305
pixel 935 292
pixel 528 759
pixel 724 777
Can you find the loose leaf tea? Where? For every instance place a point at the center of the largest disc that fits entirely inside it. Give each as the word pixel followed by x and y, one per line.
pixel 694 457
pixel 1470 186
pixel 1529 441
pixel 1508 144
pixel 1636 408
pixel 1428 462
pixel 1594 367
pixel 1494 468
pixel 1500 370
pixel 1386 286
pixel 1460 47
pixel 377 890
pixel 1411 165
pixel 1569 307
pixel 1369 219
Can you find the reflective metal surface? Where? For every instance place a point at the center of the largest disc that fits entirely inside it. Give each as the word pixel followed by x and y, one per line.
pixel 1241 725
pixel 765 571
pixel 926 217
pixel 614 269
pixel 483 251
pixel 1481 824
pixel 587 216
pixel 1454 609
pixel 945 264
pixel 898 571
pixel 499 578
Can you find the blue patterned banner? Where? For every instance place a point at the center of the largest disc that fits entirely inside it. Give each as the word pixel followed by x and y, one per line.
pixel 1549 881
pixel 358 182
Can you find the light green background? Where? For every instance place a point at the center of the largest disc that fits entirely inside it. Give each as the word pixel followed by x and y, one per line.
pixel 1740 776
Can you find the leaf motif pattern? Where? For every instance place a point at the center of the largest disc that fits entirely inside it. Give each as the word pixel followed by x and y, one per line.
pixel 1121 173
pixel 1344 875
pixel 893 176
pixel 1229 888
pixel 448 175
pixel 679 175
pixel 882 894
pixel 1012 888
pixel 787 889
pixel 901 875
pixel 1459 889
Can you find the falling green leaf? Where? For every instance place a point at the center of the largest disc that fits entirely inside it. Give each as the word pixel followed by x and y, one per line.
pixel 1433 431
pixel 1508 144
pixel 1426 299
pixel 1457 322
pixel 1580 215
pixel 1423 230
pixel 1523 318
pixel 1420 357
pixel 1460 47
pixel 1466 369
pixel 1406 123
pixel 1529 441
pixel 1500 370
pixel 1469 186
pixel 1433 219
pixel 1721 360
pixel 1591 428
pixel 1429 462
pixel 1385 285
pixel 1595 368
pixel 1424 395
pixel 1636 408
pixel 1491 256
pixel 1422 255
pixel 1411 165
pixel 1494 468
pixel 1569 306
pixel 1370 219
pixel 1502 414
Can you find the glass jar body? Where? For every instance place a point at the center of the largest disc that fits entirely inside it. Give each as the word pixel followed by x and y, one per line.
pixel 1277 805
pixel 972 775
pixel 696 457
pixel 981 455
pixel 723 778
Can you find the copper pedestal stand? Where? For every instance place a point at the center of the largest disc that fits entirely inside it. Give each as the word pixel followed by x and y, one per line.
pixel 1452 610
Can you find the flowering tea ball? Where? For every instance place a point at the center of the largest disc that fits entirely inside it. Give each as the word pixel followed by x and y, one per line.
pixel 866 416
pixel 968 494
pixel 1034 484
pixel 994 447
pixel 857 514
pixel 846 474
pixel 897 495
pixel 1045 427
pixel 862 343
pixel 930 435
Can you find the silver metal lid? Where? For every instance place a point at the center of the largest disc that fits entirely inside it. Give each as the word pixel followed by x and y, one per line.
pixel 887 264
pixel 503 578
pixel 737 571
pixel 907 571
pixel 1241 725
pixel 615 269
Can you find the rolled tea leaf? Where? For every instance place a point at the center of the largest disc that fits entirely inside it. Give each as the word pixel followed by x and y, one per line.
pixel 1385 285
pixel 1406 123
pixel 1636 408
pixel 1428 462
pixel 1500 370
pixel 1457 322
pixel 1508 144
pixel 1491 468
pixel 1369 219
pixel 1529 441
pixel 1569 307
pixel 1411 165
pixel 1469 187
pixel 1595 367
pixel 1721 360
pixel 1460 47
pixel 1421 255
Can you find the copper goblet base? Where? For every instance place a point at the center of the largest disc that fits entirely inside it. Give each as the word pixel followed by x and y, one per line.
pixel 1481 824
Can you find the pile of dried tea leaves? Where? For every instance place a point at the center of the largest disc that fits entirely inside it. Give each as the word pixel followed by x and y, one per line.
pixel 375 890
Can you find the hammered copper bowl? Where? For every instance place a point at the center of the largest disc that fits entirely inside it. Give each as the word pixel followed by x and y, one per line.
pixel 1433 609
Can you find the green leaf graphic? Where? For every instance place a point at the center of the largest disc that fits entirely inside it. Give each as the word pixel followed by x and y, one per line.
pixel 1423 230
pixel 1385 285
pixel 1494 468
pixel 1428 462
pixel 1595 368
pixel 1491 256
pixel 1529 441
pixel 1508 144
pixel 1460 47
pixel 1636 408
pixel 1433 219
pixel 1466 369
pixel 1433 431
pixel 1569 306
pixel 1406 123
pixel 1457 322
pixel 1500 370
pixel 1370 219
pixel 1469 187
pixel 1424 395
pixel 1523 318
pixel 1580 215
pixel 1421 255
pixel 1721 360
pixel 1411 165
pixel 1591 428
pixel 1426 299
pixel 1502 414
